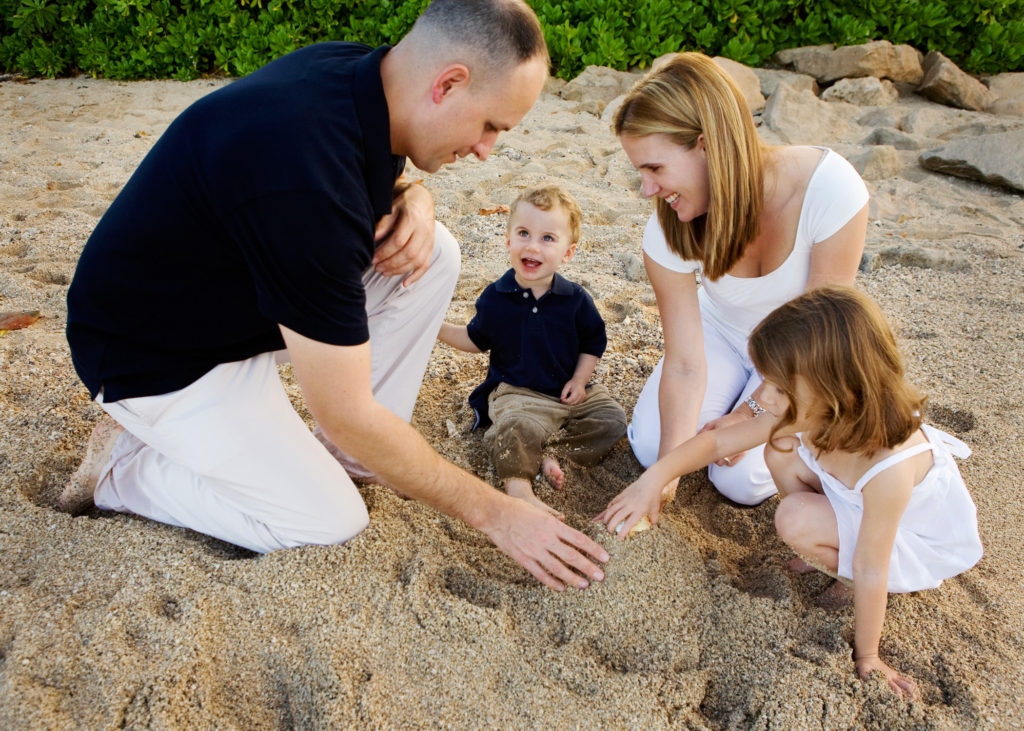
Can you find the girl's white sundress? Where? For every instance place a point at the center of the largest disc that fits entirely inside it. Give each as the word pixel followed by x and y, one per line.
pixel 937 537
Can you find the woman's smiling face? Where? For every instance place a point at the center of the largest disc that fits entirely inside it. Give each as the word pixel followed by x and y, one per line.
pixel 671 172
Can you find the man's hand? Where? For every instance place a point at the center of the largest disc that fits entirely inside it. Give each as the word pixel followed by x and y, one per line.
pixel 546 547
pixel 405 237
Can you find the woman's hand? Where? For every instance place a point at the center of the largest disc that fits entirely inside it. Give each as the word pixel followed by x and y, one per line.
pixel 901 685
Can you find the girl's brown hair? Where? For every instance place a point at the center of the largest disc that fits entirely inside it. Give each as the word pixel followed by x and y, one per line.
pixel 691 96
pixel 838 341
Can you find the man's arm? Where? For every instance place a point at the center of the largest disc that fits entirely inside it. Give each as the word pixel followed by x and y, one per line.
pixel 405 237
pixel 335 382
pixel 457 336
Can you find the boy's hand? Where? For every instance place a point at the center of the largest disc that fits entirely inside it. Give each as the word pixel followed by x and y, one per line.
pixel 574 393
pixel 643 497
pixel 405 237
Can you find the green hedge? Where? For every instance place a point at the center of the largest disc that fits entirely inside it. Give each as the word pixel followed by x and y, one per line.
pixel 183 39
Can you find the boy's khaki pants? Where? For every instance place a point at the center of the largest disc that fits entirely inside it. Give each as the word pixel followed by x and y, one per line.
pixel 524 421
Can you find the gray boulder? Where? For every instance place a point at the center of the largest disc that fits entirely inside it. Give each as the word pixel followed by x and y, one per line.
pixel 993 158
pixel 800 118
pixel 877 163
pixel 882 59
pixel 893 138
pixel 1008 90
pixel 945 83
pixel 596 86
pixel 866 91
pixel 771 78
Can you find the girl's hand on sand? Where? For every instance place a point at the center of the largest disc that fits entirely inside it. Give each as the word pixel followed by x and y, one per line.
pixel 902 685
pixel 643 497
pixel 405 237
pixel 719 423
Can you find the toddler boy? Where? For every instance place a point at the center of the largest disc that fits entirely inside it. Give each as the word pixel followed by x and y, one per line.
pixel 545 337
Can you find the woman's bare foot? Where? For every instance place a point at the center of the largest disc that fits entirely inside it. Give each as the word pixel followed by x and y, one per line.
pixel 837 596
pixel 521 488
pixel 78 493
pixel 552 471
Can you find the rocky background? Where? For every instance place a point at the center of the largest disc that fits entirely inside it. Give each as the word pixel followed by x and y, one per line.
pixel 112 621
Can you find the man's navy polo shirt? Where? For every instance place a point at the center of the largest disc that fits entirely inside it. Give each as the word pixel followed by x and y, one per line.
pixel 256 207
pixel 534 344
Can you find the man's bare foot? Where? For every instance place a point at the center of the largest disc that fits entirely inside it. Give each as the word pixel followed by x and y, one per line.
pixel 552 472
pixel 521 488
pixel 78 494
pixel 837 596
pixel 799 566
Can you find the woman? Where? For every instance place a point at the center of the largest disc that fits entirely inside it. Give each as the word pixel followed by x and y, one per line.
pixel 758 225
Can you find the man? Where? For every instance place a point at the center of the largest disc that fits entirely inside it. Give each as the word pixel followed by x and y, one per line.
pixel 263 219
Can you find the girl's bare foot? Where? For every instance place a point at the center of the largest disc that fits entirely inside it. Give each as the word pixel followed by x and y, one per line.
pixel 837 596
pixel 521 488
pixel 552 471
pixel 799 566
pixel 78 493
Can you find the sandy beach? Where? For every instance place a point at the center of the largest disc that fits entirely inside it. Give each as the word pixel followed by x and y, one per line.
pixel 111 621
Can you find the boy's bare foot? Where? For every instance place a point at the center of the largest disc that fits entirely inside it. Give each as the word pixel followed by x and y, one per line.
pixel 837 596
pixel 521 488
pixel 552 471
pixel 78 494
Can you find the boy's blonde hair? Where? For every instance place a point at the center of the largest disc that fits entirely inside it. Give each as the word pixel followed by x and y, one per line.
pixel 838 341
pixel 547 197
pixel 691 96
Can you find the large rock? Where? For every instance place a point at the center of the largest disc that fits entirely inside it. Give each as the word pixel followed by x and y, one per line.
pixel 800 118
pixel 866 91
pixel 893 138
pixel 747 81
pixel 596 86
pixel 945 83
pixel 878 58
pixel 771 78
pixel 876 163
pixel 991 158
pixel 1008 90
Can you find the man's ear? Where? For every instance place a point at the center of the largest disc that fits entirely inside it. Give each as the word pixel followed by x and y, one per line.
pixel 448 79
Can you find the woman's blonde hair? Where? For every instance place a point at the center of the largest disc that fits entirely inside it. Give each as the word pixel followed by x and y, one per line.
pixel 691 96
pixel 838 341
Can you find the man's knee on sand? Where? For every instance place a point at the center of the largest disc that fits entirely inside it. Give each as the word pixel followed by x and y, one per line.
pixel 334 525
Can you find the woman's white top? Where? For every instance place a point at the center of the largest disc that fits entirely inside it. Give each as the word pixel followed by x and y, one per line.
pixel 835 193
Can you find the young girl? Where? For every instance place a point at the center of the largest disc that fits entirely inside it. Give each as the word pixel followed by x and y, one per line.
pixel 869 493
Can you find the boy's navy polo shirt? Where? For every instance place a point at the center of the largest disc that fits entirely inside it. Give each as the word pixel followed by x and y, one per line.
pixel 256 207
pixel 534 344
